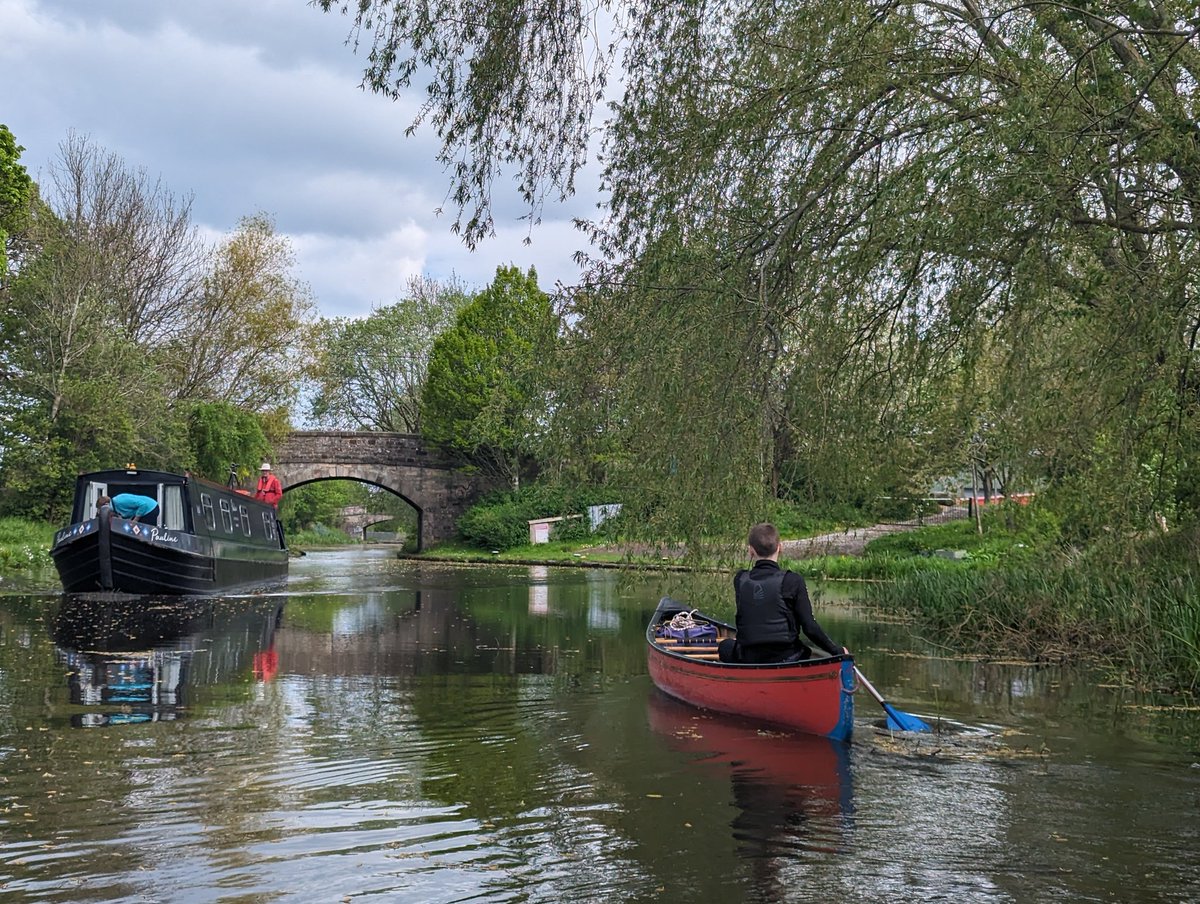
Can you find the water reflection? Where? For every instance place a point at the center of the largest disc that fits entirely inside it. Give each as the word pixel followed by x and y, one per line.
pixel 133 659
pixel 793 791
pixel 539 593
pixel 416 733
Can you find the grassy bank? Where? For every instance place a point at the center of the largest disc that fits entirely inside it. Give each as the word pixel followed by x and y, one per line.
pixel 24 545
pixel 1010 536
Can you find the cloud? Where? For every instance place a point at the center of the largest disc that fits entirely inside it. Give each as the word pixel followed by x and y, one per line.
pixel 358 274
pixel 257 108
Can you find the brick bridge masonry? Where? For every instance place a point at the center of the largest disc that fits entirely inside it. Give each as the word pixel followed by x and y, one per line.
pixel 434 485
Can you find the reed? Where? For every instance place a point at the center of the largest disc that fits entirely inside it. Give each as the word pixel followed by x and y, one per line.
pixel 1135 606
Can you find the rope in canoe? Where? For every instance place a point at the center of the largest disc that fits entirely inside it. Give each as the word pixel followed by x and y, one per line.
pixel 684 620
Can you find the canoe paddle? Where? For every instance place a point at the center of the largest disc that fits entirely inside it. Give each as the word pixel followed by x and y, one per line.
pixel 898 720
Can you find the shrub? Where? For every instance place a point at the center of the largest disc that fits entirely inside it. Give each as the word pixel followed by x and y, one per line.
pixel 501 519
pixel 572 530
pixel 494 525
pixel 800 520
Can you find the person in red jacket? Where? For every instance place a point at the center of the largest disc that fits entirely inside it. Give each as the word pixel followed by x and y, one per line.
pixel 269 488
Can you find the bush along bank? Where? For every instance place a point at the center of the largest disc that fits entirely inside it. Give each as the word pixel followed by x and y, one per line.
pixel 1133 604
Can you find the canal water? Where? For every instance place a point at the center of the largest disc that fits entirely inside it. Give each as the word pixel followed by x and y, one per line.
pixel 387 730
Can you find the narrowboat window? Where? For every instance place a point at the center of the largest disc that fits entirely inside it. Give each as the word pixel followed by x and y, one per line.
pixel 269 525
pixel 210 516
pixel 227 516
pixel 245 519
pixel 172 508
pixel 94 492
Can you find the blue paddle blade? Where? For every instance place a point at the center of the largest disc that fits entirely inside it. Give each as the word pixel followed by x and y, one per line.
pixel 898 720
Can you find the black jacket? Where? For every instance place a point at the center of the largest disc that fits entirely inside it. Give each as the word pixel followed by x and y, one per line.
pixel 772 604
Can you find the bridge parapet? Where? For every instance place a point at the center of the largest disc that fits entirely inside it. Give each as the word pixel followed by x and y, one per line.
pixel 357 447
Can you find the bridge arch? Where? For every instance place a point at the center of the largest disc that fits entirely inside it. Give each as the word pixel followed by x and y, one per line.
pixel 436 486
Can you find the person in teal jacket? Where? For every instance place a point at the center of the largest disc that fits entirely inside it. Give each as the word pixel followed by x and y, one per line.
pixel 133 506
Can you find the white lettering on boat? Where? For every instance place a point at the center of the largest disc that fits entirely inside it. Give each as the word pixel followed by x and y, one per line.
pixel 163 536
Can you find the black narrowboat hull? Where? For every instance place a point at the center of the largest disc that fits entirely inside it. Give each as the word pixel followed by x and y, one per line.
pixel 110 553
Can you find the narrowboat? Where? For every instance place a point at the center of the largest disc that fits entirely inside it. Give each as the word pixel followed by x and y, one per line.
pixel 200 538
pixel 813 695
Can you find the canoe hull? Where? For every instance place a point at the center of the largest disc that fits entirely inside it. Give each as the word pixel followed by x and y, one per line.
pixel 815 696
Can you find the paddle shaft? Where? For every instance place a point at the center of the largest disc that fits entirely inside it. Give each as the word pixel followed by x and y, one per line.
pixel 870 687
pixel 896 718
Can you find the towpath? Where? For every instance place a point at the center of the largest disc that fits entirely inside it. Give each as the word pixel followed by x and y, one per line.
pixel 853 541
pixel 850 542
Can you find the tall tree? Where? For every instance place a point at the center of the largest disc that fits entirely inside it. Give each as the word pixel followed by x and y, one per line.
pixel 16 190
pixel 247 337
pixel 109 256
pixel 117 256
pixel 371 372
pixel 226 441
pixel 118 319
pixel 484 396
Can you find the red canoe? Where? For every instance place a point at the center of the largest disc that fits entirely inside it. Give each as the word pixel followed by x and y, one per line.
pixel 815 695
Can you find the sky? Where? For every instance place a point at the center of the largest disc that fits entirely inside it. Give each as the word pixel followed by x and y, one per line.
pixel 256 107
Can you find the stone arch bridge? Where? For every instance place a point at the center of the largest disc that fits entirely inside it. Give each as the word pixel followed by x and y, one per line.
pixel 431 483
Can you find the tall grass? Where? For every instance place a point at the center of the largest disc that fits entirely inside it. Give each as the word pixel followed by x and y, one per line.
pixel 24 545
pixel 1134 604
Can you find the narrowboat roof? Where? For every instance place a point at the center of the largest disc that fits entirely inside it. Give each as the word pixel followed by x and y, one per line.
pixel 150 476
pixel 167 477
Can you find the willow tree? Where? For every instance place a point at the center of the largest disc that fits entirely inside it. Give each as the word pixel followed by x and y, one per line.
pixel 887 206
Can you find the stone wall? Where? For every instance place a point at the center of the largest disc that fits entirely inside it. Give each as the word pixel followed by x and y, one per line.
pixel 355 447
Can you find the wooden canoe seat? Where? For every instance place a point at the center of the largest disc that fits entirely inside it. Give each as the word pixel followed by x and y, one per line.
pixel 668 641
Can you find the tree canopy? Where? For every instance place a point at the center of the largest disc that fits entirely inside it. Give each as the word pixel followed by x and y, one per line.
pixel 16 189
pixel 371 371
pixel 484 394
pixel 846 240
pixel 118 321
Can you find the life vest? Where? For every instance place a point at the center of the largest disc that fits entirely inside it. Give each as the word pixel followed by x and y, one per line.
pixel 762 615
pixel 269 489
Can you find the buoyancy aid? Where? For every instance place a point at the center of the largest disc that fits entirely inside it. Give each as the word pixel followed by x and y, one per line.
pixel 762 615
